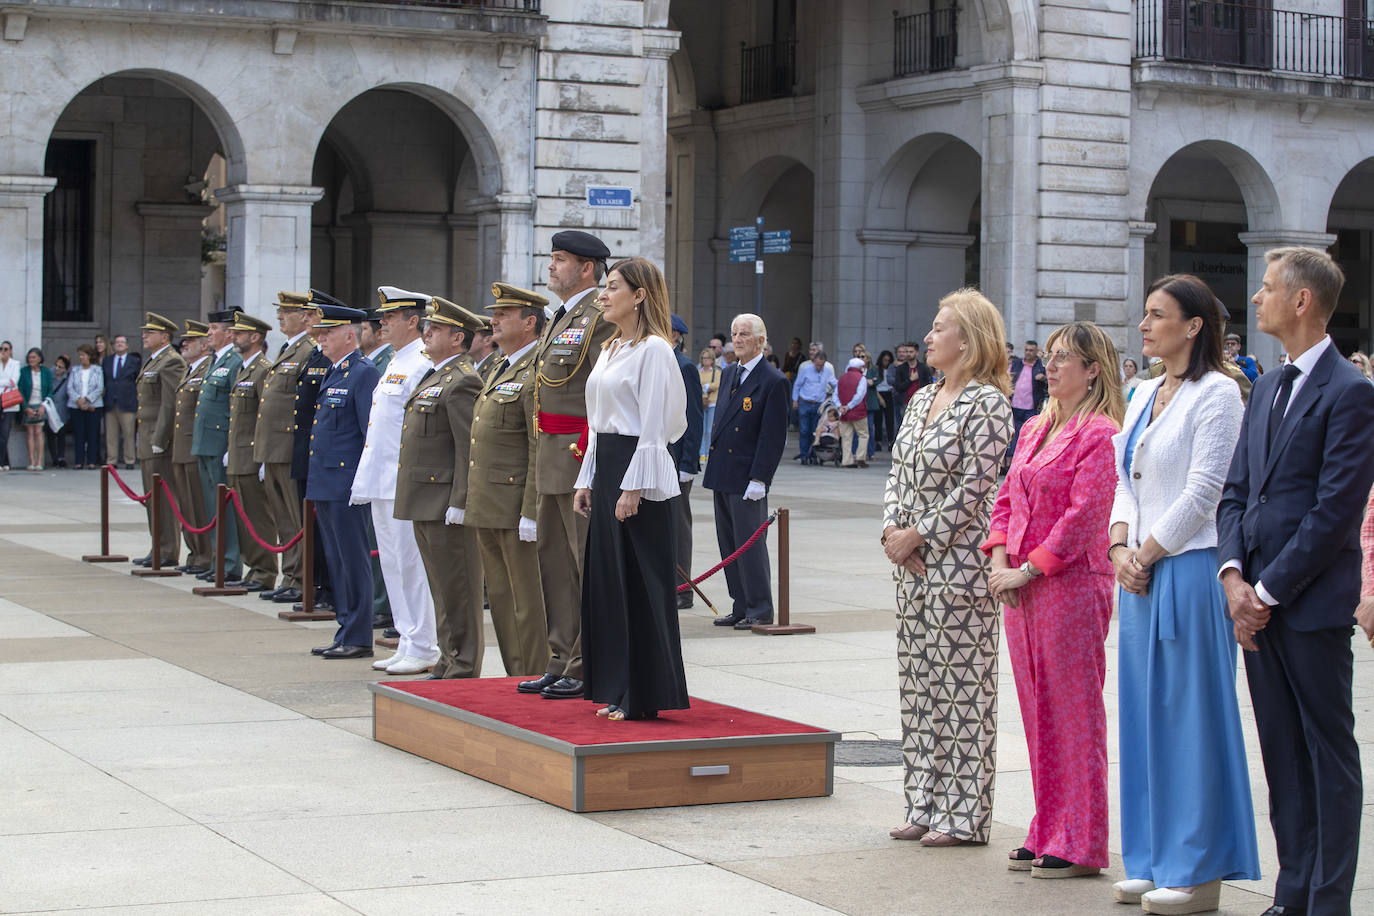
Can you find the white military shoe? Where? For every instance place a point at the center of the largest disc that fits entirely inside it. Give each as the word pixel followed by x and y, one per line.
pixel 410 665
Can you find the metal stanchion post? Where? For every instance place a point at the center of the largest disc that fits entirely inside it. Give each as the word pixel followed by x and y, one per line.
pixel 221 519
pixel 307 611
pixel 784 627
pixel 105 556
pixel 155 570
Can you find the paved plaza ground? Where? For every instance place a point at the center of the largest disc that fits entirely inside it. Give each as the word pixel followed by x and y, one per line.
pixel 164 753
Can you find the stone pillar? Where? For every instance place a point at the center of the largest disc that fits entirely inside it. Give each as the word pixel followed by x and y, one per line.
pixel 692 263
pixel 171 258
pixel 269 244
pixel 935 266
pixel 659 45
pixel 1135 274
pixel 21 258
pixel 885 287
pixel 1266 348
pixel 505 231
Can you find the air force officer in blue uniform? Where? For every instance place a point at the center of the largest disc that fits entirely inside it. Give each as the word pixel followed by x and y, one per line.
pixel 747 438
pixel 339 432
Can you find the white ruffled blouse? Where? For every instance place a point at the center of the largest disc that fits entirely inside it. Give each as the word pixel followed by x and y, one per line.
pixel 636 389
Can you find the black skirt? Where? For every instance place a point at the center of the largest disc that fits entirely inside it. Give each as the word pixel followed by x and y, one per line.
pixel 631 649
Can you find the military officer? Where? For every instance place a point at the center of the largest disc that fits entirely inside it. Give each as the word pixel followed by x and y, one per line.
pixel 250 335
pixel 376 342
pixel 210 443
pixel 185 478
pixel 157 397
pixel 432 486
pixel 336 445
pixel 376 346
pixel 564 356
pixel 411 605
pixel 484 353
pixel 274 437
pixel 317 366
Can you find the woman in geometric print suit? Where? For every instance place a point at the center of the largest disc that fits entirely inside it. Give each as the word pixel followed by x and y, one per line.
pixel 935 514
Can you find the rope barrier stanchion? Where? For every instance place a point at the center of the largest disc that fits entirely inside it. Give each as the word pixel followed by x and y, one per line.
pixel 105 556
pixel 784 626
pixel 221 519
pixel 307 535
pixel 155 570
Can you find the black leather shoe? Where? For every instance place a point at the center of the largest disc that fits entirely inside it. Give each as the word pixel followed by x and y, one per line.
pixel 191 569
pixel 347 652
pixel 1277 910
pixel 324 607
pixel 207 576
pixel 538 684
pixel 431 677
pixel 729 620
pixel 248 585
pixel 320 650
pixel 286 595
pixel 128 467
pixel 749 623
pixel 684 601
pixel 268 595
pixel 143 561
pixel 565 688
pixel 380 621
pixel 391 633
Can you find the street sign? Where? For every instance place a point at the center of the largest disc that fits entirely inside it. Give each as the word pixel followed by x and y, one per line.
pixel 742 255
pixel 777 242
pixel 610 198
pixel 743 234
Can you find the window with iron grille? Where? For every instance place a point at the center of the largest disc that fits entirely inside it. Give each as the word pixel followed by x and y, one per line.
pixel 68 230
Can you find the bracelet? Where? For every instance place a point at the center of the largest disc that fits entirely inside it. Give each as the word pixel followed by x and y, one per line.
pixel 1113 547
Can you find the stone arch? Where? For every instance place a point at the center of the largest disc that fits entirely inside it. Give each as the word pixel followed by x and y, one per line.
pixel 1010 29
pixel 1261 198
pixel 909 171
pixel 748 192
pixel 1350 218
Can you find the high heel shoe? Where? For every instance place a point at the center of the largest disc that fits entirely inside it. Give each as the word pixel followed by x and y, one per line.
pixel 1130 890
pixel 1175 901
pixel 908 832
pixel 1020 859
pixel 1055 867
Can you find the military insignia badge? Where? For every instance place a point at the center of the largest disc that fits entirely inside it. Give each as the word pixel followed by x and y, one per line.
pixel 748 403
pixel 583 321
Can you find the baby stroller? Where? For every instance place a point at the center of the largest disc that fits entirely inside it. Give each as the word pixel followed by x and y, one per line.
pixel 828 448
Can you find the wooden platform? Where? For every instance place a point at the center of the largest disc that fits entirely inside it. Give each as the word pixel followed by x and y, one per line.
pixel 609 775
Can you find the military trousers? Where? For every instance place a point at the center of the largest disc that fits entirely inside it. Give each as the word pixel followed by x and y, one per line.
pixel 284 507
pixel 454 569
pixel 260 564
pixel 169 532
pixel 407 586
pixel 344 543
pixel 186 486
pixel 562 539
pixel 517 601
pixel 211 476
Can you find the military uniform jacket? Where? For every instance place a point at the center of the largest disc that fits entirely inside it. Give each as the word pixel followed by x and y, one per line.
pixel 564 358
pixel 276 424
pixel 212 407
pixel 340 428
pixel 501 466
pixel 376 477
pixel 157 401
pixel 432 471
pixel 382 358
pixel 243 414
pixel 317 366
pixel 188 394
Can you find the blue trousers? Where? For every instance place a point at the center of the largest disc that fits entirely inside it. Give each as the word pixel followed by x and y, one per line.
pixel 810 413
pixel 343 530
pixel 211 474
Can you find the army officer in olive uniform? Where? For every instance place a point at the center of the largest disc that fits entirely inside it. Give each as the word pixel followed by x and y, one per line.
pixel 211 441
pixel 185 478
pixel 250 335
pixel 157 399
pixel 432 487
pixel 502 467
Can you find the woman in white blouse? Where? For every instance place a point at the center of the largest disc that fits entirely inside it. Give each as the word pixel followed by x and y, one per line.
pixel 86 398
pixel 1186 817
pixel 636 406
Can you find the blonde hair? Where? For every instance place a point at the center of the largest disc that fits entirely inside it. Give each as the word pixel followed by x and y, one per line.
pixel 655 318
pixel 1313 270
pixel 1091 344
pixel 1361 362
pixel 980 325
pixel 707 353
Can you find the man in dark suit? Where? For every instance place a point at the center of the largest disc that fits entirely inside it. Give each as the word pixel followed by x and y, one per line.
pixel 121 401
pixel 686 453
pixel 747 438
pixel 336 446
pixel 1288 538
pixel 1029 390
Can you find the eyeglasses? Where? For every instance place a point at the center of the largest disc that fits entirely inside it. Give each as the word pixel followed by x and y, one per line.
pixel 1060 357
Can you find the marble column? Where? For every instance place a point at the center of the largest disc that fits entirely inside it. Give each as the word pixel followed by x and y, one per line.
pixel 659 45
pixel 1265 348
pixel 21 257
pixel 269 244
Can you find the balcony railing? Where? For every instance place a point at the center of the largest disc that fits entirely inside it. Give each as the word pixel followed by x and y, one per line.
pixel 925 42
pixel 767 71
pixel 1254 36
pixel 516 6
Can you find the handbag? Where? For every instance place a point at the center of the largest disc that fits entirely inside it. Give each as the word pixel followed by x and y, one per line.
pixel 11 398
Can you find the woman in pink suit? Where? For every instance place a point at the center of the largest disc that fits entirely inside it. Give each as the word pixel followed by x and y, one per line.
pixel 1048 544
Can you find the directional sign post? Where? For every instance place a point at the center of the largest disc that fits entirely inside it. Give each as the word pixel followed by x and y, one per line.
pixel 751 243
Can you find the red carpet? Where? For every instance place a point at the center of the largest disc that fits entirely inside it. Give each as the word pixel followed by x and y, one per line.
pixel 575 721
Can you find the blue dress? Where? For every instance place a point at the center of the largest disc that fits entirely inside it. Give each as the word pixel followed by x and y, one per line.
pixel 1186 815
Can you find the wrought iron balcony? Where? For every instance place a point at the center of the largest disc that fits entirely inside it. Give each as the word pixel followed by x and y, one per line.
pixel 925 42
pixel 767 71
pixel 1255 36
pixel 517 6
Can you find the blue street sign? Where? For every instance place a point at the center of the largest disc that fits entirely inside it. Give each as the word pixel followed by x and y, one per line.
pixel 777 246
pixel 741 256
pixel 778 234
pixel 743 234
pixel 610 198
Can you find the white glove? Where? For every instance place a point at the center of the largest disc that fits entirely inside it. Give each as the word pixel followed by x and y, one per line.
pixel 453 516
pixel 527 529
pixel 684 476
pixel 755 490
pixel 262 473
pixel 158 450
pixel 225 460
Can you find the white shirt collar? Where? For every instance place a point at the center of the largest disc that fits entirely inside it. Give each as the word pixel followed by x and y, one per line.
pixel 249 360
pixel 752 364
pixel 438 366
pixel 219 354
pixel 378 350
pixel 576 298
pixel 414 346
pixel 1308 360
pixel 192 367
pixel 292 340
pixel 515 357
pixel 157 351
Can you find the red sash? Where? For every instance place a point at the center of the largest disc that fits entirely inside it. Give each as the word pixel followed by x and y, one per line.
pixel 564 424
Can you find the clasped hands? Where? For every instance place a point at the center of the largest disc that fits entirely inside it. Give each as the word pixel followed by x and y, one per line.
pixel 902 547
pixel 1249 613
pixel 1131 574
pixel 626 506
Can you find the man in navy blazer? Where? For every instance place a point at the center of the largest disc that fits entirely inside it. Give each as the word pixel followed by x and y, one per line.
pixel 747 438
pixel 686 453
pixel 336 446
pixel 121 370
pixel 1288 540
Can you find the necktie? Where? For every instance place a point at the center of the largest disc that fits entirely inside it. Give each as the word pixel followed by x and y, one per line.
pixel 739 380
pixel 558 315
pixel 1289 374
pixel 284 345
pixel 119 364
pixel 428 372
pixel 501 367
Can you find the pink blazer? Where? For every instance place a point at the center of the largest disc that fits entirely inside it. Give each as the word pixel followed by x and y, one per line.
pixel 1054 507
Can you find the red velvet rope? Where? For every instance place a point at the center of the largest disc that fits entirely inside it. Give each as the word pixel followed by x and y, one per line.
pixel 127 492
pixel 732 557
pixel 238 506
pixel 176 510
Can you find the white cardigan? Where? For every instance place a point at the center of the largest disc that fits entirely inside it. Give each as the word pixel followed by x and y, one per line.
pixel 1179 465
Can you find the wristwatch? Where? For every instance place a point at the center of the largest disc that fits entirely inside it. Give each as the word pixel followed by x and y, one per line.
pixel 1028 570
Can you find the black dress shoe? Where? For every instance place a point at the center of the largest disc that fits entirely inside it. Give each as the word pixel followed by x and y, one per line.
pixel 729 620
pixel 269 595
pixel 1277 910
pixel 191 569
pixel 391 633
pixel 684 601
pixel 128 467
pixel 347 652
pixel 565 688
pixel 286 595
pixel 320 650
pixel 323 607
pixel 538 684
pixel 143 561
pixel 251 586
pixel 380 620
pixel 207 576
pixel 749 623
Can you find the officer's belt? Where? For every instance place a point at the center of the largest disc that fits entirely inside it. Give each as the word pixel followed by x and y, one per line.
pixel 565 424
